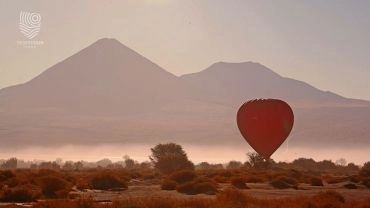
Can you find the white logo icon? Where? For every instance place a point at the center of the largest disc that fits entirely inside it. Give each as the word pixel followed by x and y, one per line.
pixel 29 24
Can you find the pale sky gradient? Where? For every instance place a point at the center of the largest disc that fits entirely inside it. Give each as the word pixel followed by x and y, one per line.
pixel 324 43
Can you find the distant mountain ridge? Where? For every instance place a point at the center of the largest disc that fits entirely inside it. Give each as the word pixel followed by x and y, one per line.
pixel 108 93
pixel 248 80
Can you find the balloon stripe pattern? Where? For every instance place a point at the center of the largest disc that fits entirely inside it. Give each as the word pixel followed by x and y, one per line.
pixel 265 124
pixel 29 24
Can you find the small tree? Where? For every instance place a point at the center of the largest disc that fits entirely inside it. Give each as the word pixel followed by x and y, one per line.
pixel 129 163
pixel 170 157
pixel 68 165
pixel 326 165
pixel 257 161
pixel 233 164
pixel 341 162
pixel 204 166
pixel 78 165
pixel 305 164
pixel 10 163
pixel 365 170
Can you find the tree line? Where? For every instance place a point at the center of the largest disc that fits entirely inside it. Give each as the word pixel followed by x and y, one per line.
pixel 171 157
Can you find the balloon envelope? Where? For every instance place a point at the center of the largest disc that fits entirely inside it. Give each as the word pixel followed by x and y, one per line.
pixel 265 124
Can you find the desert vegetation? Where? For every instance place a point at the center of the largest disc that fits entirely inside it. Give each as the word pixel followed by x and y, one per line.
pixel 170 179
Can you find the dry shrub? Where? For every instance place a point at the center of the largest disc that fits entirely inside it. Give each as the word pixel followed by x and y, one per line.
pixel 280 184
pixel 239 182
pixel 183 176
pixel 198 186
pixel 18 195
pixel 54 187
pixel 6 174
pixel 149 175
pixel 232 198
pixel 107 181
pixel 85 202
pixel 48 172
pixel 316 181
pixel 330 197
pixel 365 170
pixel 168 184
pixel 203 179
pixel 57 204
pixel 350 186
pixel 205 188
pixel 83 183
pixel 355 178
pixel 149 202
pixel 335 179
pixel 220 179
pixel 21 178
pixel 366 182
pixel 283 182
pixel 289 180
pixel 294 173
pixel 225 173
pixel 197 203
pixel 254 179
pixel 186 188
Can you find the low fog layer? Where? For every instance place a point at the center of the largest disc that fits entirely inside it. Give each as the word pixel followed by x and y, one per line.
pixel 197 154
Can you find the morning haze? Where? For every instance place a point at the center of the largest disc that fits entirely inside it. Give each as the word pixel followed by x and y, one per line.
pixel 111 100
pixel 184 103
pixel 118 77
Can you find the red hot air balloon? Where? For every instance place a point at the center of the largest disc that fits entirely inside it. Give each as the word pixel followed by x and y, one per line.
pixel 265 124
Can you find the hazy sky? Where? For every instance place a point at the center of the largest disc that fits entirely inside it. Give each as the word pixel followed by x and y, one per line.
pixel 325 43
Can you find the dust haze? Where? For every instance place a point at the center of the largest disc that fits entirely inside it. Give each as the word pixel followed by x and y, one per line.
pixel 196 153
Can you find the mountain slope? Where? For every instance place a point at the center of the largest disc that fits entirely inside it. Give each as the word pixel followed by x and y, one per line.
pixel 238 82
pixel 104 77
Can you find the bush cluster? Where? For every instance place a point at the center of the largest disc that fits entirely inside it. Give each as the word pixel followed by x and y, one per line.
pixel 188 182
pixel 107 181
pixel 239 182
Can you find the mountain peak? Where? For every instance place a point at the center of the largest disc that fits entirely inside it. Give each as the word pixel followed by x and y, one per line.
pixel 110 45
pixel 237 63
pixel 108 41
pixel 240 68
